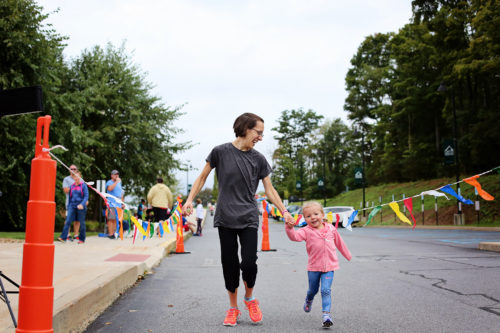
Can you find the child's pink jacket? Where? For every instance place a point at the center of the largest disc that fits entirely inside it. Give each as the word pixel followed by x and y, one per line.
pixel 321 246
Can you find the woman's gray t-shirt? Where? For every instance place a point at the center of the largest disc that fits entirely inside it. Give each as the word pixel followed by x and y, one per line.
pixel 238 175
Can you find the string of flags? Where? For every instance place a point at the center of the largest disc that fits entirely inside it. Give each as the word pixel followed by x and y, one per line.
pixel 446 189
pixel 394 205
pixel 148 229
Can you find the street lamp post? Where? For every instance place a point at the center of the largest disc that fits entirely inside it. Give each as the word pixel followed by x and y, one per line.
pixel 324 179
pixel 189 167
pixel 443 88
pixel 356 132
pixel 363 166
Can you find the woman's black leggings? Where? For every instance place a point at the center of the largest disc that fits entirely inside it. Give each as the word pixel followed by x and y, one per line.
pixel 229 256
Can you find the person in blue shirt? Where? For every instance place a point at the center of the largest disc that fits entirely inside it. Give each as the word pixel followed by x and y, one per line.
pixel 113 187
pixel 77 208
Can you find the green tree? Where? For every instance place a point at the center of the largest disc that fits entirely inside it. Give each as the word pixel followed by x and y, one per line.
pixel 296 132
pixel 206 196
pixel 117 123
pixel 30 54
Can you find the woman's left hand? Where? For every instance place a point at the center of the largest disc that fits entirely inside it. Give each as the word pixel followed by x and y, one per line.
pixel 80 206
pixel 187 209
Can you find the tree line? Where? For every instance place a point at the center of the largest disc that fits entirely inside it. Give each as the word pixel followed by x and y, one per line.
pixel 406 91
pixel 102 110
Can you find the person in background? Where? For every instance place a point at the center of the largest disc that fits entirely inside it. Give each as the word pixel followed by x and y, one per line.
pixel 67 182
pixel 160 198
pixel 113 187
pixel 199 216
pixel 77 208
pixel 141 209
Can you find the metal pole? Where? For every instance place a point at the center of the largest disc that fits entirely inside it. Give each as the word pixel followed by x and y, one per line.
pixel 363 161
pixel 455 142
pixel 423 208
pixel 436 209
pixel 324 179
pixel 380 201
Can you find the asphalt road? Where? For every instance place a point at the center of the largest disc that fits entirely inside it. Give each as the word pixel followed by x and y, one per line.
pixel 399 280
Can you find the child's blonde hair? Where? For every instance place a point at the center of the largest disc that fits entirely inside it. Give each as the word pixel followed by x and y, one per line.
pixel 311 204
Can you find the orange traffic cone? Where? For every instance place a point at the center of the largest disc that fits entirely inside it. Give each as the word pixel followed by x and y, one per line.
pixel 179 240
pixel 36 294
pixel 265 229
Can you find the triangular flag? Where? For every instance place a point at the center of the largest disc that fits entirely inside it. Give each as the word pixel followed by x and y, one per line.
pixel 473 181
pixel 152 229
pixel 138 225
pixel 145 224
pixel 160 226
pixel 373 213
pixel 449 190
pixel 299 217
pixel 119 228
pixel 329 217
pixel 434 193
pixel 349 222
pixel 135 234
pixel 395 208
pixel 409 204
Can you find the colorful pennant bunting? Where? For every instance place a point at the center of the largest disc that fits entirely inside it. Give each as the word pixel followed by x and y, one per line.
pixel 395 208
pixel 435 194
pixel 449 190
pixel 349 222
pixel 409 204
pixel 473 181
pixel 372 214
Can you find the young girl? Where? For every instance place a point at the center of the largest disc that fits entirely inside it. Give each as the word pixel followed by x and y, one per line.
pixel 322 240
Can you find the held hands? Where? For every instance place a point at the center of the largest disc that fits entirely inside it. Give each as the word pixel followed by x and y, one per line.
pixel 290 222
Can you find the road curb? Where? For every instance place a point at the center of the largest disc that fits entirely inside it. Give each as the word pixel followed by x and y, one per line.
pixel 75 316
pixel 490 246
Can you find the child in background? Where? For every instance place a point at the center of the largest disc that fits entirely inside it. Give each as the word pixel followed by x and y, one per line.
pixel 322 240
pixel 199 217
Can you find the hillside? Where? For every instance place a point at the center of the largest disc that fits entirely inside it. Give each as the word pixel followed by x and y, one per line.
pixel 489 210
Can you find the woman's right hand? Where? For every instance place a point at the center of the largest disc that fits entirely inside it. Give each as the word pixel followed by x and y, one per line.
pixel 187 209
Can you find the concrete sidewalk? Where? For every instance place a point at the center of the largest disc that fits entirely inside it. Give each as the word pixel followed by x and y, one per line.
pixel 87 277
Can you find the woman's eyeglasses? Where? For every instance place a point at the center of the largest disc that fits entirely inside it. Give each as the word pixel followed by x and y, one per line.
pixel 259 133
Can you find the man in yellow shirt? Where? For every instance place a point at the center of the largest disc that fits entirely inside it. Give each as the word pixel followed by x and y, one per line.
pixel 160 198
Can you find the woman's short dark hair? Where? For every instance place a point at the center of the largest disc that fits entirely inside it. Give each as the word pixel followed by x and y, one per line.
pixel 244 122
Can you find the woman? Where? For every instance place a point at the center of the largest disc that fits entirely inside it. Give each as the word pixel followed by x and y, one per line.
pixel 77 208
pixel 239 168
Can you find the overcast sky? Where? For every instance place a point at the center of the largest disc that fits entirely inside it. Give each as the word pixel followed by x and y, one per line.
pixel 222 58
